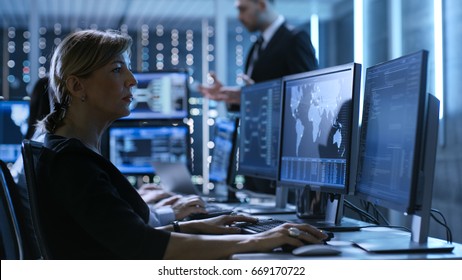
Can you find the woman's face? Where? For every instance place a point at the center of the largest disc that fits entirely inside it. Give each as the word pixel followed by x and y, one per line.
pixel 108 89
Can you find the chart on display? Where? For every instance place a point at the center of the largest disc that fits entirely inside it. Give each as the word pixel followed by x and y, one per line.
pixel 260 127
pixel 160 95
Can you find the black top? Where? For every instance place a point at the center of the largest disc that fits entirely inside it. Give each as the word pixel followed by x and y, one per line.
pixel 88 208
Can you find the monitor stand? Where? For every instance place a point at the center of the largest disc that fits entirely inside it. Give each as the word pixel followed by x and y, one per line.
pixel 223 193
pixel 278 206
pixel 332 218
pixel 418 241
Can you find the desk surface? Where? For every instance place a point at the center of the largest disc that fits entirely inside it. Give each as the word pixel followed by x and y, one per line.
pixel 345 242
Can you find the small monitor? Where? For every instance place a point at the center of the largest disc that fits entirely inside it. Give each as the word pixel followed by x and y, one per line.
pixel 319 135
pixel 13 127
pixel 134 145
pixel 225 134
pixel 160 95
pixel 259 129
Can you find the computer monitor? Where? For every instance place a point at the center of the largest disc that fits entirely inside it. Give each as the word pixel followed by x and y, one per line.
pixel 222 165
pixel 160 95
pixel 13 127
pixel 319 134
pixel 259 134
pixel 133 145
pixel 259 129
pixel 398 147
pixel 225 133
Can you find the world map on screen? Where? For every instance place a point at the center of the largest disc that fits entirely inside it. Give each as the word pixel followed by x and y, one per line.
pixel 320 109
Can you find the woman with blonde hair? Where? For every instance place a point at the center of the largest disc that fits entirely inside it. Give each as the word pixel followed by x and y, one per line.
pixel 88 209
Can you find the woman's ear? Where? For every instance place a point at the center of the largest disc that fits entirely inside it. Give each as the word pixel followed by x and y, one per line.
pixel 75 86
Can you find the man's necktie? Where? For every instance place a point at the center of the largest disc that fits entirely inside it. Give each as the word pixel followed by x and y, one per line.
pixel 255 54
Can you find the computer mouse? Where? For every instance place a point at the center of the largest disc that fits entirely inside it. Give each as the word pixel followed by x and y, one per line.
pixel 316 250
pixel 289 248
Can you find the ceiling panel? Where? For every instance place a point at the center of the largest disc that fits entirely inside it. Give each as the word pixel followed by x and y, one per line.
pixel 111 13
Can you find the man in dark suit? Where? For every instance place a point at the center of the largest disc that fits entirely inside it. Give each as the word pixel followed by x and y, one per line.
pixel 279 51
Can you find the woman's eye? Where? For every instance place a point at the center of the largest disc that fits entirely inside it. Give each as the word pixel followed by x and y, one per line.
pixel 117 70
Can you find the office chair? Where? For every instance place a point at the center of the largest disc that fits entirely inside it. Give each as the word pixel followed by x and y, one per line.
pixel 20 200
pixel 11 241
pixel 30 153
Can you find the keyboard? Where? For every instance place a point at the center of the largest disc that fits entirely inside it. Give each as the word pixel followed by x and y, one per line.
pixel 212 211
pixel 261 226
pixel 267 224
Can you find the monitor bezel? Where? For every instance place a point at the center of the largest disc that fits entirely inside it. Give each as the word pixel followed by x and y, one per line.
pixel 148 123
pixel 234 160
pixel 414 200
pixel 160 116
pixel 246 172
pixel 350 181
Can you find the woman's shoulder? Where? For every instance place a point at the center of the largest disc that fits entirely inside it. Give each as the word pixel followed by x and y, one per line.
pixel 72 151
pixel 67 155
pixel 61 151
pixel 60 144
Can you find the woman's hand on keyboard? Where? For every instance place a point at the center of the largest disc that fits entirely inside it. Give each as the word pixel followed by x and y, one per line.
pixel 183 206
pixel 153 193
pixel 284 235
pixel 218 225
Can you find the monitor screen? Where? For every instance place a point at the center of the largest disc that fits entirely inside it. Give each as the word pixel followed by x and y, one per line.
pixel 135 145
pixel 160 95
pixel 13 127
pixel 224 138
pixel 319 137
pixel 392 127
pixel 259 129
